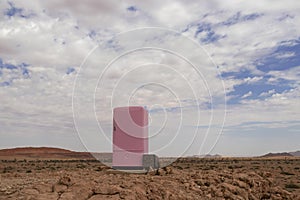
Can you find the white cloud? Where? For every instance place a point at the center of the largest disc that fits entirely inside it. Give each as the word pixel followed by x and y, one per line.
pixel 268 93
pixel 250 80
pixel 275 108
pixel 285 55
pixel 291 74
pixel 62 33
pixel 247 95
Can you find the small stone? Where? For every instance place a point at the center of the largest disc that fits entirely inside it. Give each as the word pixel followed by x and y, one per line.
pixel 265 196
pixel 65 180
pixel 107 190
pixel 59 188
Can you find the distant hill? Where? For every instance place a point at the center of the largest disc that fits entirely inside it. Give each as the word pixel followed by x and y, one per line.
pixel 212 156
pixel 295 153
pixel 48 153
pixel 32 150
pixel 284 154
pixel 207 156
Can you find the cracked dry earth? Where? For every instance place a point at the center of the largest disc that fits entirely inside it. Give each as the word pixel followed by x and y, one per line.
pixel 188 178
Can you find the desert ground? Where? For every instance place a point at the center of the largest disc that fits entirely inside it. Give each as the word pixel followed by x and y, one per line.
pixel 187 178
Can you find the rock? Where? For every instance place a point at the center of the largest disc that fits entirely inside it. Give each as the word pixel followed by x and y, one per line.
pixel 68 196
pixel 265 196
pixel 218 193
pixel 151 172
pixel 127 194
pixel 199 182
pixel 160 172
pixel 252 197
pixel 243 193
pixel 107 189
pixel 241 184
pixel 59 188
pixel 104 197
pixel 78 192
pixel 47 196
pixel 65 180
pixel 168 170
pixel 228 195
pixel 44 188
pixel 229 187
pixel 267 174
pixel 30 191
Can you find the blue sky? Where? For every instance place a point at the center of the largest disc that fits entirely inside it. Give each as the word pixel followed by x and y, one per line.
pixel 54 94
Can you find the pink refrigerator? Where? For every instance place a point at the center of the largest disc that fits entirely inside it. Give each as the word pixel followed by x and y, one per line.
pixel 130 137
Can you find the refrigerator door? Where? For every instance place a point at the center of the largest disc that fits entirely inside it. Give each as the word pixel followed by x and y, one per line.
pixel 130 129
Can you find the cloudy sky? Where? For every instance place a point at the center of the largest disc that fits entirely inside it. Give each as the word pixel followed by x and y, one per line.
pixel 216 76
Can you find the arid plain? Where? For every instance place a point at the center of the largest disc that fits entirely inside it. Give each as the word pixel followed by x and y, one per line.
pixel 60 174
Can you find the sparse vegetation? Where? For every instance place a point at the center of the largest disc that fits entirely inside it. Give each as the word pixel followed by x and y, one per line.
pixel 292 186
